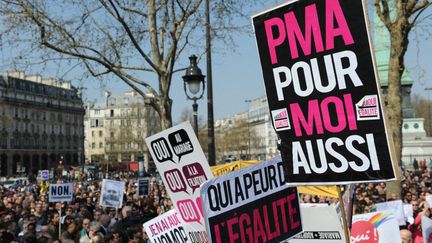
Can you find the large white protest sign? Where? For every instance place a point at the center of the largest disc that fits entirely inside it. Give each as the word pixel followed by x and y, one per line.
pixel 426 225
pixel 60 192
pixel 167 227
pixel 183 168
pixel 397 206
pixel 314 230
pixel 377 227
pixel 253 204
pixel 112 193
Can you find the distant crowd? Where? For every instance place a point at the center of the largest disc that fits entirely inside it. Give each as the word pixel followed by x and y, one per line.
pixel 27 216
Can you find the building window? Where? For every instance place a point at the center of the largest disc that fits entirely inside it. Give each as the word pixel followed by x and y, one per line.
pixel 111 113
pixel 93 133
pixel 93 145
pixel 100 133
pixel 100 145
pixel 97 111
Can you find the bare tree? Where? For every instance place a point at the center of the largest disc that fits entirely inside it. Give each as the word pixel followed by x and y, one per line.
pixel 399 19
pixel 116 38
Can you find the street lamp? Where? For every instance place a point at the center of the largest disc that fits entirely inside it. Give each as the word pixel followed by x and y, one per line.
pixel 193 79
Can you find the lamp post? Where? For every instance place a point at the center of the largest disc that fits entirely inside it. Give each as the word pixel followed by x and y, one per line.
pixel 193 79
pixel 248 102
pixel 210 122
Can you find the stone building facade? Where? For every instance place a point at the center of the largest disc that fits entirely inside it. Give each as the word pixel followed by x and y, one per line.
pixel 115 131
pixel 41 124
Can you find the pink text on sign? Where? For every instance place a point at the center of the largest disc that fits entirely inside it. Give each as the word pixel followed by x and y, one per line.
pixel 175 180
pixel 188 211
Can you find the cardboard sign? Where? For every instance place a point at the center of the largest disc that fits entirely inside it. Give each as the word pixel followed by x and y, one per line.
pixel 112 193
pixel 426 225
pixel 314 230
pixel 378 227
pixel 322 91
pixel 167 227
pixel 183 168
pixel 251 205
pixel 60 192
pixel 143 186
pixel 44 174
pixel 398 208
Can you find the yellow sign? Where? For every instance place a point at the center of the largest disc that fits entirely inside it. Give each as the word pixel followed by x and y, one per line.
pixel 218 170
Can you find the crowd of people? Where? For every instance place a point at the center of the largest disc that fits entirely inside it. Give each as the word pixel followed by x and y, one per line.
pixel 27 216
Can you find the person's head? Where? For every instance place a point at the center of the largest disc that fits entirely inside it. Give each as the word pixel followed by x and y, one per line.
pixel 31 228
pixel 44 230
pixel 55 217
pixel 415 206
pixel 408 196
pixel 134 233
pixel 406 236
pixel 105 220
pixel 393 197
pixel 28 238
pixel 94 228
pixel 97 214
pixel 69 211
pixel 86 224
pixel 126 211
pixel 38 209
pixel 68 220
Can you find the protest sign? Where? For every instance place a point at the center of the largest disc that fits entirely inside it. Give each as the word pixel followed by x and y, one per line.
pixel 251 205
pixel 60 192
pixel 426 225
pixel 218 170
pixel 143 186
pixel 167 227
pixel 429 200
pixel 44 174
pixel 377 227
pixel 323 93
pixel 314 230
pixel 183 168
pixel 409 213
pixel 112 193
pixel 397 206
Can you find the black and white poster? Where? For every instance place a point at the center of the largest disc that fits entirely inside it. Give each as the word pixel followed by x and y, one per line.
pixel 143 186
pixel 323 92
pixel 112 193
pixel 253 204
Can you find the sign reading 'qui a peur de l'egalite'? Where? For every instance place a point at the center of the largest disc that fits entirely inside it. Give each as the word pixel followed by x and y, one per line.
pixel 322 92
